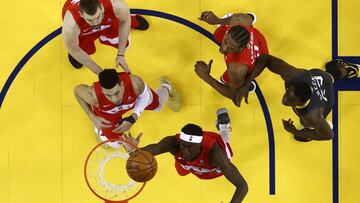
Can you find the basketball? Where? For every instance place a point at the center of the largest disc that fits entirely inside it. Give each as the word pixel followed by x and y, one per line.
pixel 141 166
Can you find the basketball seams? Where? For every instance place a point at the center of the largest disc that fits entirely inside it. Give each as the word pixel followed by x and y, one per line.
pixel 151 164
pixel 132 170
pixel 142 166
pixel 139 162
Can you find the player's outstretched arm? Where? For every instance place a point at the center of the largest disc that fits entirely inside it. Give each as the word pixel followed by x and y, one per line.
pixel 242 19
pixel 167 144
pixel 70 33
pixel 275 65
pixel 122 12
pixel 235 19
pixel 217 157
pixel 203 71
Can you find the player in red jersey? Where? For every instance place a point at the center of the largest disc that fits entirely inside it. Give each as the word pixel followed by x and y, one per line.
pixel 241 45
pixel 204 154
pixel 117 93
pixel 85 21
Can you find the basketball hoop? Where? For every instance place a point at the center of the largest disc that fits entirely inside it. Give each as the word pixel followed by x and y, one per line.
pixel 105 172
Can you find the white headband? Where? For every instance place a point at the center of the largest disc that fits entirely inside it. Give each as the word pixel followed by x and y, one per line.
pixel 190 138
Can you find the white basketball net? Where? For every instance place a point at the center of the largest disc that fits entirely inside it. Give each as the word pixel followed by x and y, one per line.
pixel 106 173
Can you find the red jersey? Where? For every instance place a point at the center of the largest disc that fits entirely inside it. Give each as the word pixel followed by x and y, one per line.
pixel 111 111
pixel 109 21
pixel 201 167
pixel 257 45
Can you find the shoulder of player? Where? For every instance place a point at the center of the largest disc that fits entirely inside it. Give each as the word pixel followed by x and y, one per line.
pixel 173 140
pixel 240 19
pixel 293 73
pixel 137 83
pixel 120 7
pixel 87 93
pixel 170 143
pixel 216 155
pixel 70 27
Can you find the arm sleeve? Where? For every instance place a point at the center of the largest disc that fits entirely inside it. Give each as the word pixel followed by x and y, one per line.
pixel 143 100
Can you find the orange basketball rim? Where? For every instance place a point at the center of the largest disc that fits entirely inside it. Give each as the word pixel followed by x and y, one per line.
pixel 105 172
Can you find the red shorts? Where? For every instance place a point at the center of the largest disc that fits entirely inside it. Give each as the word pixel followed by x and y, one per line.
pixel 114 120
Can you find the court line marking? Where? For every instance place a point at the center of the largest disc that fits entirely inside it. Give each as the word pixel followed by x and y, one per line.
pixel 186 23
pixel 345 85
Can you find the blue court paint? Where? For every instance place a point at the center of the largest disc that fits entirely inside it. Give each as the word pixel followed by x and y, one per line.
pixel 258 90
pixel 24 60
pixel 186 23
pixel 345 85
pixel 352 59
pixel 271 140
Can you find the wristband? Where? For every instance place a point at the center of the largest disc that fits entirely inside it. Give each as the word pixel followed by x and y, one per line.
pixel 129 119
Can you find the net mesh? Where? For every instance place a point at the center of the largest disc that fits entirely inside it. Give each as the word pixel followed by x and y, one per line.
pixel 105 172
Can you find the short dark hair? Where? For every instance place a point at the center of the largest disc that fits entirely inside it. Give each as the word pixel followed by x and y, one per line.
pixel 192 129
pixel 89 6
pixel 302 90
pixel 240 35
pixel 108 78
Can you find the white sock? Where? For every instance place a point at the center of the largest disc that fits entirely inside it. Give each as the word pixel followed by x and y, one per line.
pixel 225 132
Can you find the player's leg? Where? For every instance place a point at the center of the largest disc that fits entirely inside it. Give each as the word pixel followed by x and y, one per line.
pixel 340 69
pixel 111 37
pixel 167 93
pixel 138 22
pixel 223 124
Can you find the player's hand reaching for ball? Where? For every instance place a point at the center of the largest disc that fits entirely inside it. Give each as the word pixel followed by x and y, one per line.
pixel 99 122
pixel 134 141
pixel 202 69
pixel 128 137
pixel 209 17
